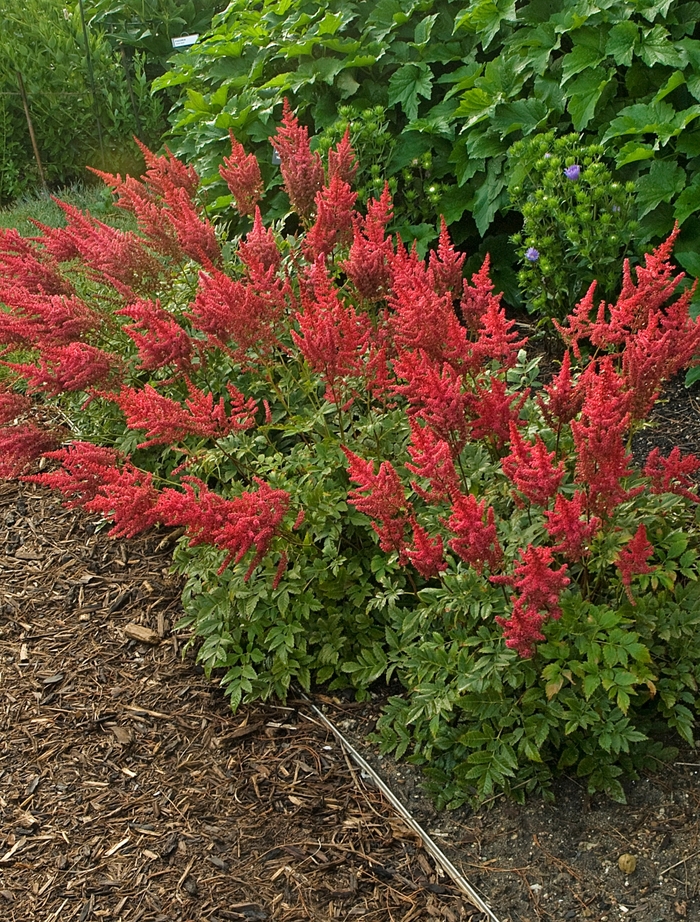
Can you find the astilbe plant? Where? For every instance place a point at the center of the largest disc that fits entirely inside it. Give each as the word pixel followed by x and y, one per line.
pixel 369 476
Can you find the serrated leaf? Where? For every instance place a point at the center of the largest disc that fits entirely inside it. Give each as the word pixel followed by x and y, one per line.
pixel 632 151
pixel 656 47
pixel 580 58
pixel 622 39
pixel 424 28
pixel 485 17
pixel 590 683
pixel 408 83
pixel 664 180
pixel 585 91
pixel 676 79
pixel 688 202
pixel 475 105
pixel 523 115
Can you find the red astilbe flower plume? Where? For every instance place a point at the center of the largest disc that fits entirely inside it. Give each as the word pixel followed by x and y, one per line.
pixel 445 266
pixel 602 461
pixel 129 499
pixel 434 394
pixel 241 172
pixel 568 523
pixel 492 410
pixel 333 226
pixel 85 468
pixel 368 265
pixel 422 319
pixel 427 554
pixel 381 497
pixel 477 298
pixel 564 399
pixel 74 367
pixel 672 474
pixel 22 262
pixel 496 338
pixel 342 161
pixel 432 460
pixel 531 468
pixel 195 233
pixel 44 320
pixel 166 421
pixel 301 170
pixel 476 540
pixel 110 253
pixel 537 590
pixel 333 336
pixel 149 211
pixel 655 354
pixel 260 247
pixel 234 315
pixel 637 303
pixel 165 172
pixel 21 445
pixel 249 521
pixel 159 338
pixel 632 560
pixel 12 405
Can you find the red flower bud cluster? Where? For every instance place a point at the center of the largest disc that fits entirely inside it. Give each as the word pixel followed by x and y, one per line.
pixel 385 502
pixel 75 367
pixel 241 173
pixel 21 445
pixel 85 468
pixel 476 540
pixel 531 468
pixel 333 336
pixel 672 474
pixel 301 170
pixel 41 319
pixel 159 338
pixel 235 525
pixel 166 421
pixel 632 559
pixel 537 589
pixel 23 263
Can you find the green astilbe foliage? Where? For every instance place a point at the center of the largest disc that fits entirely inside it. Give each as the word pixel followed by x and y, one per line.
pixel 577 228
pixel 432 511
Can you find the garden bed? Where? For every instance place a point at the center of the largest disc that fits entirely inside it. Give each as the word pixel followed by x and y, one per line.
pixel 129 791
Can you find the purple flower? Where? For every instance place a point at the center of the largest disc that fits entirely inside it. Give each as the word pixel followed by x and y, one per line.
pixel 532 254
pixel 573 172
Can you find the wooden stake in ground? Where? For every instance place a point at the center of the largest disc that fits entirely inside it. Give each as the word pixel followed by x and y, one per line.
pixel 25 103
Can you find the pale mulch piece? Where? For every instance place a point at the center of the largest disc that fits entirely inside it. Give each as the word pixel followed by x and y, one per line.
pixel 128 790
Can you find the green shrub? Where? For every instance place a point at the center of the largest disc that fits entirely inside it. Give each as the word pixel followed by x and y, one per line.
pixel 43 39
pixel 461 85
pixel 369 486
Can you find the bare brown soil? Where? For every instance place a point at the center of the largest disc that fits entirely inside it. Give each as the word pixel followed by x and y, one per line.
pixel 128 790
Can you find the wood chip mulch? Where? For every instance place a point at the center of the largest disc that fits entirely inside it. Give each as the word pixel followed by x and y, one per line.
pixel 129 791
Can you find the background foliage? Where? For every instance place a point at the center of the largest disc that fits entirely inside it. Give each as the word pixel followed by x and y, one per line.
pixel 460 85
pixel 43 39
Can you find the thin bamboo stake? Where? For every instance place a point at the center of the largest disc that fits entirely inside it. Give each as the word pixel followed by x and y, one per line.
pixel 430 846
pixel 35 146
pixel 91 77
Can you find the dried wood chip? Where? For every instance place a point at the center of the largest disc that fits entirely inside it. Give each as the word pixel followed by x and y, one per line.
pixel 141 633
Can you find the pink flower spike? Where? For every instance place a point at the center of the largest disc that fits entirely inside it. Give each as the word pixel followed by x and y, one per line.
pixel 21 445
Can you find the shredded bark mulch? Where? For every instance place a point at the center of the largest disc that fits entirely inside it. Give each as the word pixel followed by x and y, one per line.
pixel 128 789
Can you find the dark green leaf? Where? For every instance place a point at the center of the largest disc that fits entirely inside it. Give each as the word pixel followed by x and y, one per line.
pixel 408 83
pixel 664 180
